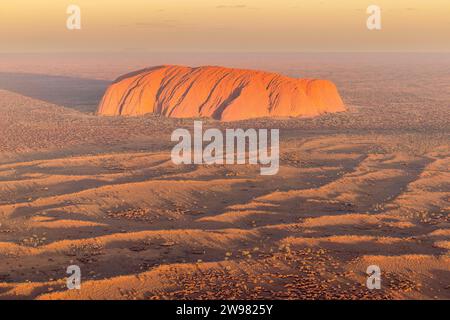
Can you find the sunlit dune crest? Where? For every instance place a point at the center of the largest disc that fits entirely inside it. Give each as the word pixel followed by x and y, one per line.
pixel 220 93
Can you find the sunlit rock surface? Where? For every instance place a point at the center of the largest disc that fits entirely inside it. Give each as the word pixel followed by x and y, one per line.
pixel 220 93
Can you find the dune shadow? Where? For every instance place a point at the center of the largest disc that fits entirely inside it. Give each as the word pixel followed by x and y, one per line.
pixel 79 94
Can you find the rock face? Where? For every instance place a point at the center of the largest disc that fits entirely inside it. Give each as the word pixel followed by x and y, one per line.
pixel 219 93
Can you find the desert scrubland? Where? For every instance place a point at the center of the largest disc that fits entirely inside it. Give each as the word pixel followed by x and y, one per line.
pixel 369 186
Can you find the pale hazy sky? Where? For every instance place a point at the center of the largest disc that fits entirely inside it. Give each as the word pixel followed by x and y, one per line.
pixel 224 25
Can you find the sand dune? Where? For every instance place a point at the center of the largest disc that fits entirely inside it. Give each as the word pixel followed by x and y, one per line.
pixel 173 223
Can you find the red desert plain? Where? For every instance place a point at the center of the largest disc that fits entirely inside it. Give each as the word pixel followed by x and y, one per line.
pixel 86 177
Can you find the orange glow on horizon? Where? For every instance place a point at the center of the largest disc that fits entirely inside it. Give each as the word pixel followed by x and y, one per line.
pixel 224 25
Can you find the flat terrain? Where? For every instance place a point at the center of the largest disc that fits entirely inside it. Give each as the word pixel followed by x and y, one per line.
pixel 370 186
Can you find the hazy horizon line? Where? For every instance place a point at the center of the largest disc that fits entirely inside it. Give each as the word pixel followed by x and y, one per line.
pixel 225 52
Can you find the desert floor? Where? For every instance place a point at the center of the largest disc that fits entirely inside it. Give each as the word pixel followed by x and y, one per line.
pixel 370 186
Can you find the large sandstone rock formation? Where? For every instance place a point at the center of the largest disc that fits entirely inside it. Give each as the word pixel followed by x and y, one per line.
pixel 219 93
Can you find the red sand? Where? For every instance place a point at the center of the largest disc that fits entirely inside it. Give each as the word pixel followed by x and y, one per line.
pixel 369 186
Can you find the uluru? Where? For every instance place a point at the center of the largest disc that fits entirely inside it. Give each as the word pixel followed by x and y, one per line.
pixel 220 93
